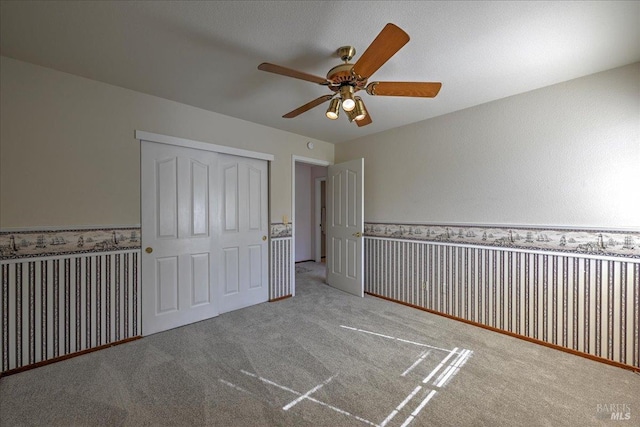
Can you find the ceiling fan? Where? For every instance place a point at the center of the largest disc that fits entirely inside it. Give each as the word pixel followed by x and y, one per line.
pixel 347 79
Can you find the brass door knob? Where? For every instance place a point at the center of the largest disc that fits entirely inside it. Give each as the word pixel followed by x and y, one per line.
pixel 358 234
pixel 264 237
pixel 149 250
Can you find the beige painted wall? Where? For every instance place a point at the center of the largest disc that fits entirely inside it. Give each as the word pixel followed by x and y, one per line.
pixel 564 155
pixel 303 223
pixel 68 156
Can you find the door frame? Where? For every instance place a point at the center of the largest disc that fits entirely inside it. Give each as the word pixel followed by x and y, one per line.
pixel 314 162
pixel 318 218
pixel 141 135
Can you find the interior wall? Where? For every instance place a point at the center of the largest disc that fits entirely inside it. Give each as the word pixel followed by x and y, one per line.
pixel 69 156
pixel 303 222
pixel 567 154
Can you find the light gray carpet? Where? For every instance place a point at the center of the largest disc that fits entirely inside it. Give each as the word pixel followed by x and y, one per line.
pixel 323 358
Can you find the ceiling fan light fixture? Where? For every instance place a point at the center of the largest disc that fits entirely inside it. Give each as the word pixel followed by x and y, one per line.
pixel 348 103
pixel 360 111
pixel 346 80
pixel 334 109
pixel 351 115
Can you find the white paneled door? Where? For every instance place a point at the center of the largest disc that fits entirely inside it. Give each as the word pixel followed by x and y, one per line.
pixel 178 237
pixel 243 232
pixel 200 211
pixel 345 225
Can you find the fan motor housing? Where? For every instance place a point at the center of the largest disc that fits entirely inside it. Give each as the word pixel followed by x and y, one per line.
pixel 341 75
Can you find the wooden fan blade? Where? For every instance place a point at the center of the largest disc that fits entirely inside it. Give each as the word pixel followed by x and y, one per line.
pixel 307 106
pixel 386 44
pixel 284 71
pixel 414 89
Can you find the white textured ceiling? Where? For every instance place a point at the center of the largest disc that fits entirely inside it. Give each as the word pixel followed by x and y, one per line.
pixel 206 54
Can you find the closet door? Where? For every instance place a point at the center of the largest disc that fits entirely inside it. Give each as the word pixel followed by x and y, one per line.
pixel 243 232
pixel 179 236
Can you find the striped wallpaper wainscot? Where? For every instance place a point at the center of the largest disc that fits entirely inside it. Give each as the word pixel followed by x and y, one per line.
pixel 281 282
pixel 58 306
pixel 587 304
pixel 66 292
pixel 281 269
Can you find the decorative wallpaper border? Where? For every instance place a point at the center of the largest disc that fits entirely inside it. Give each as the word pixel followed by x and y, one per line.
pixel 595 242
pixel 279 229
pixel 30 244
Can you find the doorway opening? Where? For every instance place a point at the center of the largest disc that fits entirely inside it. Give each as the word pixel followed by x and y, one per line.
pixel 309 207
pixel 344 268
pixel 310 204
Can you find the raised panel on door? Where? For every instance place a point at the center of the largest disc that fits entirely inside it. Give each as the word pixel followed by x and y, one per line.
pixel 199 199
pixel 166 189
pixel 336 255
pixel 230 197
pixel 167 285
pixel 336 196
pixel 255 266
pixel 200 279
pixel 352 259
pixel 351 199
pixel 255 198
pixel 231 270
